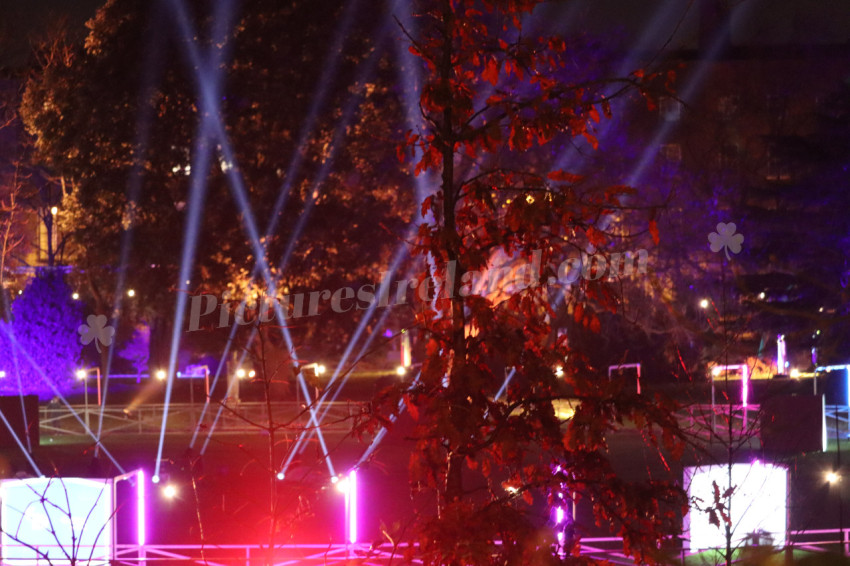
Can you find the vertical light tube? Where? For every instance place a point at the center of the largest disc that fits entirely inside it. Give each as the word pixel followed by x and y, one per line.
pixel 847 369
pixel 351 508
pixel 780 354
pixel 140 507
pixel 406 358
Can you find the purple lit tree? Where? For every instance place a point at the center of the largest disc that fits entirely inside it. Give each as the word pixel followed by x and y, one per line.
pixel 40 345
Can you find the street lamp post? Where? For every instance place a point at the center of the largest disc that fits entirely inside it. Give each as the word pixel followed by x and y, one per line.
pixel 192 374
pixel 239 375
pixel 318 368
pixel 207 381
pixel 82 375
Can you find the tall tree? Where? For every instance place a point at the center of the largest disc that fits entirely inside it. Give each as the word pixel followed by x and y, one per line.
pixel 120 120
pixel 499 100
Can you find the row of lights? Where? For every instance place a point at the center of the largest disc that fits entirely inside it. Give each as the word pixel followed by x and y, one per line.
pixel 703 304
pixel 242 373
pixel 76 296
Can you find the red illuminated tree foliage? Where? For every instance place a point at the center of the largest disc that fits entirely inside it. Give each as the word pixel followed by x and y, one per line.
pixel 499 103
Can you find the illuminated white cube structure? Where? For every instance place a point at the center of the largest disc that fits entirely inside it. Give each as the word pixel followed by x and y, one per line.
pixel 49 520
pixel 759 504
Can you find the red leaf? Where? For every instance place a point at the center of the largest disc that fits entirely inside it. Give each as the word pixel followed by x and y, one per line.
pixel 653 231
pixel 427 205
pixel 411 408
pixel 578 311
pixel 491 72
pixel 564 177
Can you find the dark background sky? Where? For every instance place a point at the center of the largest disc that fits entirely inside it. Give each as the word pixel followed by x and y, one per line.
pixel 644 24
pixel 20 20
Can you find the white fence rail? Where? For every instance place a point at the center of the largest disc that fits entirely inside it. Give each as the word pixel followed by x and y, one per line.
pixel 605 548
pixel 183 418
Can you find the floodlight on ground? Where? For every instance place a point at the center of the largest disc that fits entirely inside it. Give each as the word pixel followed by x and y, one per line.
pixel 703 304
pixel 169 491
pixel 241 373
pixel 400 370
pixel 832 477
pixel 131 293
pixel 160 374
pixel 75 296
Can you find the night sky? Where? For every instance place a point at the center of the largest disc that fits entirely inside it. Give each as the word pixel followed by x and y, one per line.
pixel 645 25
pixel 26 19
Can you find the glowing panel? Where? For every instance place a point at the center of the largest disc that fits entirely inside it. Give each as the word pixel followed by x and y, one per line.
pixel 759 503
pixel 51 520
